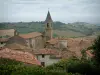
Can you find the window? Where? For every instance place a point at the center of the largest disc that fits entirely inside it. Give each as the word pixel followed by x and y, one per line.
pixel 31 46
pixel 43 64
pixel 42 56
pixel 47 25
pixel 37 57
pixel 1 42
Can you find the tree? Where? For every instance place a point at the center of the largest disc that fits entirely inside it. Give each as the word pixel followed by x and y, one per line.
pixel 13 67
pixel 96 49
pixel 83 52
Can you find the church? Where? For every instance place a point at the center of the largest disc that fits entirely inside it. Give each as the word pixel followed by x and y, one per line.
pixel 36 40
pixel 45 49
pixel 43 46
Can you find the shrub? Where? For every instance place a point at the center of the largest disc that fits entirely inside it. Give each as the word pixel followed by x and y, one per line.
pixel 12 67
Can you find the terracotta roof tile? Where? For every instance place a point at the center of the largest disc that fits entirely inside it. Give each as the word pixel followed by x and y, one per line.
pixel 52 41
pixel 25 57
pixel 89 53
pixel 3 39
pixel 30 35
pixel 16 46
pixel 46 51
pixel 54 54
pixel 17 39
pixel 67 54
pixel 77 44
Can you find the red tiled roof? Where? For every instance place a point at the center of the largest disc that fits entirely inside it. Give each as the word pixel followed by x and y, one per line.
pixel 16 46
pixel 3 39
pixel 46 52
pixel 52 41
pixel 78 44
pixel 25 57
pixel 54 54
pixel 17 39
pixel 89 53
pixel 56 40
pixel 67 54
pixel 30 35
pixel 75 45
pixel 62 38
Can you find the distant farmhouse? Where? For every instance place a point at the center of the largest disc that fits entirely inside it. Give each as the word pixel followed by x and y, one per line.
pixel 9 32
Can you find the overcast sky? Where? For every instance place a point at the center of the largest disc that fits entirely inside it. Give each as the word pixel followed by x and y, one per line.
pixel 61 10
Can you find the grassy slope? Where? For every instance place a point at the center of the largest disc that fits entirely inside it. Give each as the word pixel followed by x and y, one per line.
pixel 68 30
pixel 68 33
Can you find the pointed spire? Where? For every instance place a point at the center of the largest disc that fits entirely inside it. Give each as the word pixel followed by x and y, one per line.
pixel 48 18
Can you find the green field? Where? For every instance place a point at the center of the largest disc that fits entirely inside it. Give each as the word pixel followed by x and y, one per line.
pixel 76 29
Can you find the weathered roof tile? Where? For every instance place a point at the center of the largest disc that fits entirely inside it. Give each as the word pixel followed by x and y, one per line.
pixel 25 57
pixel 30 35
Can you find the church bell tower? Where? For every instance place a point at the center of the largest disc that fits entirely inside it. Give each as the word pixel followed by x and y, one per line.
pixel 48 27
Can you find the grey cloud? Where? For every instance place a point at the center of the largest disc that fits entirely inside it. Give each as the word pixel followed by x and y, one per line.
pixel 62 10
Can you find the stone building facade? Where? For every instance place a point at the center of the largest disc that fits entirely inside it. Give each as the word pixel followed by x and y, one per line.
pixel 48 56
pixel 34 40
pixel 8 32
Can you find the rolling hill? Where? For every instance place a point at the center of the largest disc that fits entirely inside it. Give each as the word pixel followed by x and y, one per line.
pixel 76 29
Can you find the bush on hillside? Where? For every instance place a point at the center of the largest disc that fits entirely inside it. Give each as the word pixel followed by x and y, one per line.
pixel 12 67
pixel 96 48
pixel 75 66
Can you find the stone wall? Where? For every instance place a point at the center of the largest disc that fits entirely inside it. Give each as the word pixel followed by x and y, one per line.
pixel 48 61
pixel 9 32
pixel 35 43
